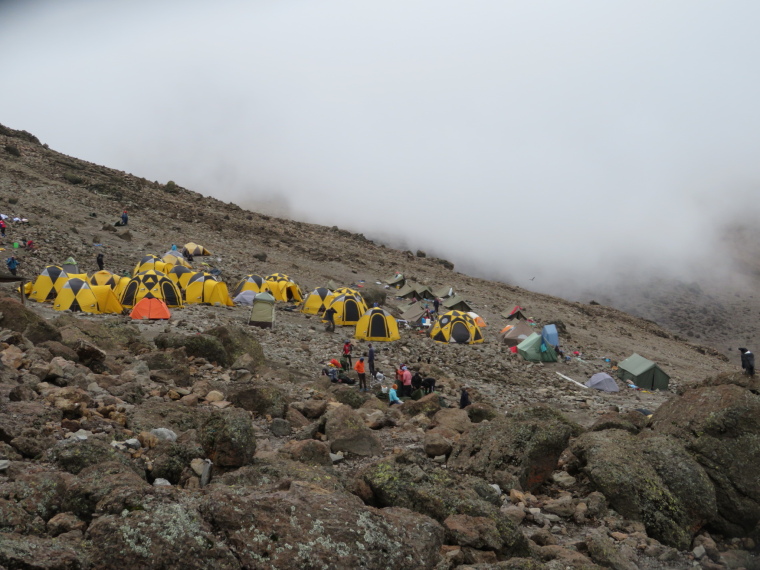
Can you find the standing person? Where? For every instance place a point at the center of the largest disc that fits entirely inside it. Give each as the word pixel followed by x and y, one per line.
pixel 359 367
pixel 406 380
pixel 100 259
pixel 464 399
pixel 329 316
pixel 12 264
pixel 347 350
pixel 2 228
pixel 748 361
pixel 436 304
pixel 124 218
pixel 371 359
pixel 428 385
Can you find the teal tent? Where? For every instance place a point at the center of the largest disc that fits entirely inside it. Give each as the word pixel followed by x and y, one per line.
pixel 535 349
pixel 642 372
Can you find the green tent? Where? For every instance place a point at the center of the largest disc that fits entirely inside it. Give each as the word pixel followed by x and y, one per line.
pixel 397 281
pixel 444 292
pixel 262 311
pixel 534 349
pixel 457 303
pixel 644 373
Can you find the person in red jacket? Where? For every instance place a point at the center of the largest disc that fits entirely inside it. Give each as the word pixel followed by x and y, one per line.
pixel 360 370
pixel 347 349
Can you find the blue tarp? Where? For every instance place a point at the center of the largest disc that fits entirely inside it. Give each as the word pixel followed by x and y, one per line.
pixel 550 335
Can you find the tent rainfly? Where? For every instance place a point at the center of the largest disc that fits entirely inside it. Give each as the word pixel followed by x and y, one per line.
pixel 644 373
pixel 262 311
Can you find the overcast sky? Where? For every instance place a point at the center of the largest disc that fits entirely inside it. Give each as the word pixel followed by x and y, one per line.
pixel 565 141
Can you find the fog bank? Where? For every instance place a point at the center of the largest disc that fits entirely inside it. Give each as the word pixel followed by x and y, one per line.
pixel 558 146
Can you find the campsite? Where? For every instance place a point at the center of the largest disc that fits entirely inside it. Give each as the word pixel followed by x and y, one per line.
pixel 200 406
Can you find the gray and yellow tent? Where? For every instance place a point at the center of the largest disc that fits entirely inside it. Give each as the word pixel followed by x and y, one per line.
pixel 49 283
pixel 104 278
pixel 255 283
pixel 262 311
pixel 107 300
pixel 643 373
pixel 349 309
pixel 535 349
pixel 377 324
pixel 317 301
pixel 150 263
pixel 283 288
pixel 204 288
pixel 76 295
pixel 181 276
pixel 153 282
pixel 195 249
pixel 348 291
pixel 455 326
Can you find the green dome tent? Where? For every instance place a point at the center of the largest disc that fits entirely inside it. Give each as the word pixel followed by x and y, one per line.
pixel 535 349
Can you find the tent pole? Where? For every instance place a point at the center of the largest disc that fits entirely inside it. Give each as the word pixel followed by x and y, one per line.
pixel 571 380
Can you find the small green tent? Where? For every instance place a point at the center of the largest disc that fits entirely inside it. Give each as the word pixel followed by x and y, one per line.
pixel 642 372
pixel 534 349
pixel 457 303
pixel 262 311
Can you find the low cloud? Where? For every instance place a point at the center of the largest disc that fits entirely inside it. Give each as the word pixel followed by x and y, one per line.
pixel 560 146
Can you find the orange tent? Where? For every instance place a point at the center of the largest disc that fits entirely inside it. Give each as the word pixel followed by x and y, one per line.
pixel 150 308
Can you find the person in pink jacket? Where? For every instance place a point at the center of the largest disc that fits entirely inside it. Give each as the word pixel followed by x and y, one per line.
pixel 406 380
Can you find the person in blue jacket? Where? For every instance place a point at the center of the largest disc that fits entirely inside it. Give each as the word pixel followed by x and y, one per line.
pixel 392 396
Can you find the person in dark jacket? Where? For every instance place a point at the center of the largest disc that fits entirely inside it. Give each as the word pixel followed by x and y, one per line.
pixel 124 218
pixel 464 399
pixel 100 261
pixel 748 362
pixel 329 316
pixel 428 385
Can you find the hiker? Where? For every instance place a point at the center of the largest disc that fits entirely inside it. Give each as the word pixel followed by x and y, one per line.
pixel 359 367
pixel 428 385
pixel 187 255
pixel 464 399
pixel 12 264
pixel 748 361
pixel 329 316
pixel 100 262
pixel 436 304
pixel 371 359
pixel 124 218
pixel 347 349
pixel 2 228
pixel 344 363
pixel 406 380
pixel 392 396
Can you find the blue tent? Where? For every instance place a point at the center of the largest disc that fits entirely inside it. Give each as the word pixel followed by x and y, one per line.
pixel 550 335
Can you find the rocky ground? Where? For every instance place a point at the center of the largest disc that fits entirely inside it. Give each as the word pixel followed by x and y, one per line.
pixel 107 425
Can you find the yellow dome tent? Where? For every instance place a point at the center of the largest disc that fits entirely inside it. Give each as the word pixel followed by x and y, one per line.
pixel 317 301
pixel 76 295
pixel 203 288
pixel 377 324
pixel 348 291
pixel 153 282
pixel 107 301
pixel 349 309
pixel 195 249
pixel 181 276
pixel 150 263
pixel 255 283
pixel 455 326
pixel 104 278
pixel 49 283
pixel 175 258
pixel 283 288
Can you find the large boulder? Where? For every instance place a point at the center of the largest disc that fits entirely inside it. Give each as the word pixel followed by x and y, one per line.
pixel 164 532
pixel 417 484
pixel 307 526
pixel 171 415
pixel 720 427
pixel 651 479
pixel 199 345
pixel 453 419
pixel 346 431
pixel 237 342
pixel 38 553
pixel 96 482
pixel 73 456
pixel 17 317
pixel 259 397
pixel 227 438
pixel 269 474
pixel 520 449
